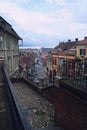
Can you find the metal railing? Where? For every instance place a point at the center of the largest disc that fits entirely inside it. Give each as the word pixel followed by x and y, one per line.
pixel 16 113
pixel 76 72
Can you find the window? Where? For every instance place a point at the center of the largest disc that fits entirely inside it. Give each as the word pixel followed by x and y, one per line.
pixel 82 52
pixel 7 42
pixel 54 62
pixel 1 39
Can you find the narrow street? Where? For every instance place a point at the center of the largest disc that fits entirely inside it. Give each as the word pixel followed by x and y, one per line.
pixel 40 70
pixel 39 75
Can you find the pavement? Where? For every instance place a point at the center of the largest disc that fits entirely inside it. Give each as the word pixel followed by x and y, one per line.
pixel 52 128
pixel 42 77
pixel 38 110
pixel 39 68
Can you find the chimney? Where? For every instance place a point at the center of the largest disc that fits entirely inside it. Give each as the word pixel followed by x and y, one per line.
pixel 85 37
pixel 76 39
pixel 69 40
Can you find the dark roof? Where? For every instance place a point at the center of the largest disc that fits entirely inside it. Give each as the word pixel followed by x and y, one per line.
pixel 7 28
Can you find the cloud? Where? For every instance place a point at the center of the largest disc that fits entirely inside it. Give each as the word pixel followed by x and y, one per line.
pixel 67 20
pixel 49 1
pixel 27 20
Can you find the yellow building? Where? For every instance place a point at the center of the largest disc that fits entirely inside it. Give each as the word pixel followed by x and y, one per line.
pixel 9 49
pixel 82 49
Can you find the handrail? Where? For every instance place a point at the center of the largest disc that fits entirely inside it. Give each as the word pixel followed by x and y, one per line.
pixel 17 116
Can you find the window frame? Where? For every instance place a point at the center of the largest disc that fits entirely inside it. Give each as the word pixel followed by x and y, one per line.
pixel 82 52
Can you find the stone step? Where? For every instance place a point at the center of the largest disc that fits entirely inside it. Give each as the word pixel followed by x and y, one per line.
pixel 52 128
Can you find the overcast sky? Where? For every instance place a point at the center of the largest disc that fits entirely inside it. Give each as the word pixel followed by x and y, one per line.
pixel 45 23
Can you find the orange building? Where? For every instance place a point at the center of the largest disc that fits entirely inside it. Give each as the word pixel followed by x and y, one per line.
pixel 63 51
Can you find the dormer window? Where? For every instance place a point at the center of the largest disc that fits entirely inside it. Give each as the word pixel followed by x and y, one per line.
pixel 82 52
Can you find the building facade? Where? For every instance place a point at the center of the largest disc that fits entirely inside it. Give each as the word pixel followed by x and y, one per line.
pixel 9 48
pixel 82 49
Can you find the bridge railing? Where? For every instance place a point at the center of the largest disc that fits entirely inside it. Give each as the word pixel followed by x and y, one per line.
pixel 16 113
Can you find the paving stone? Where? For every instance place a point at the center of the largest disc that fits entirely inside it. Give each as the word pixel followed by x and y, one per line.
pixel 38 110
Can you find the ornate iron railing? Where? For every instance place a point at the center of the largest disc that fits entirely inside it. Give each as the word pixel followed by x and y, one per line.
pixel 76 71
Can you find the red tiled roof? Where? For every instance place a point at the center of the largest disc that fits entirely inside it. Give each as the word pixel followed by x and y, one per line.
pixel 65 54
pixel 64 46
pixel 44 56
pixel 83 42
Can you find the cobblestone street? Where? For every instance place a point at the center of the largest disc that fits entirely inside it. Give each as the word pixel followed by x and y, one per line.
pixel 38 110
